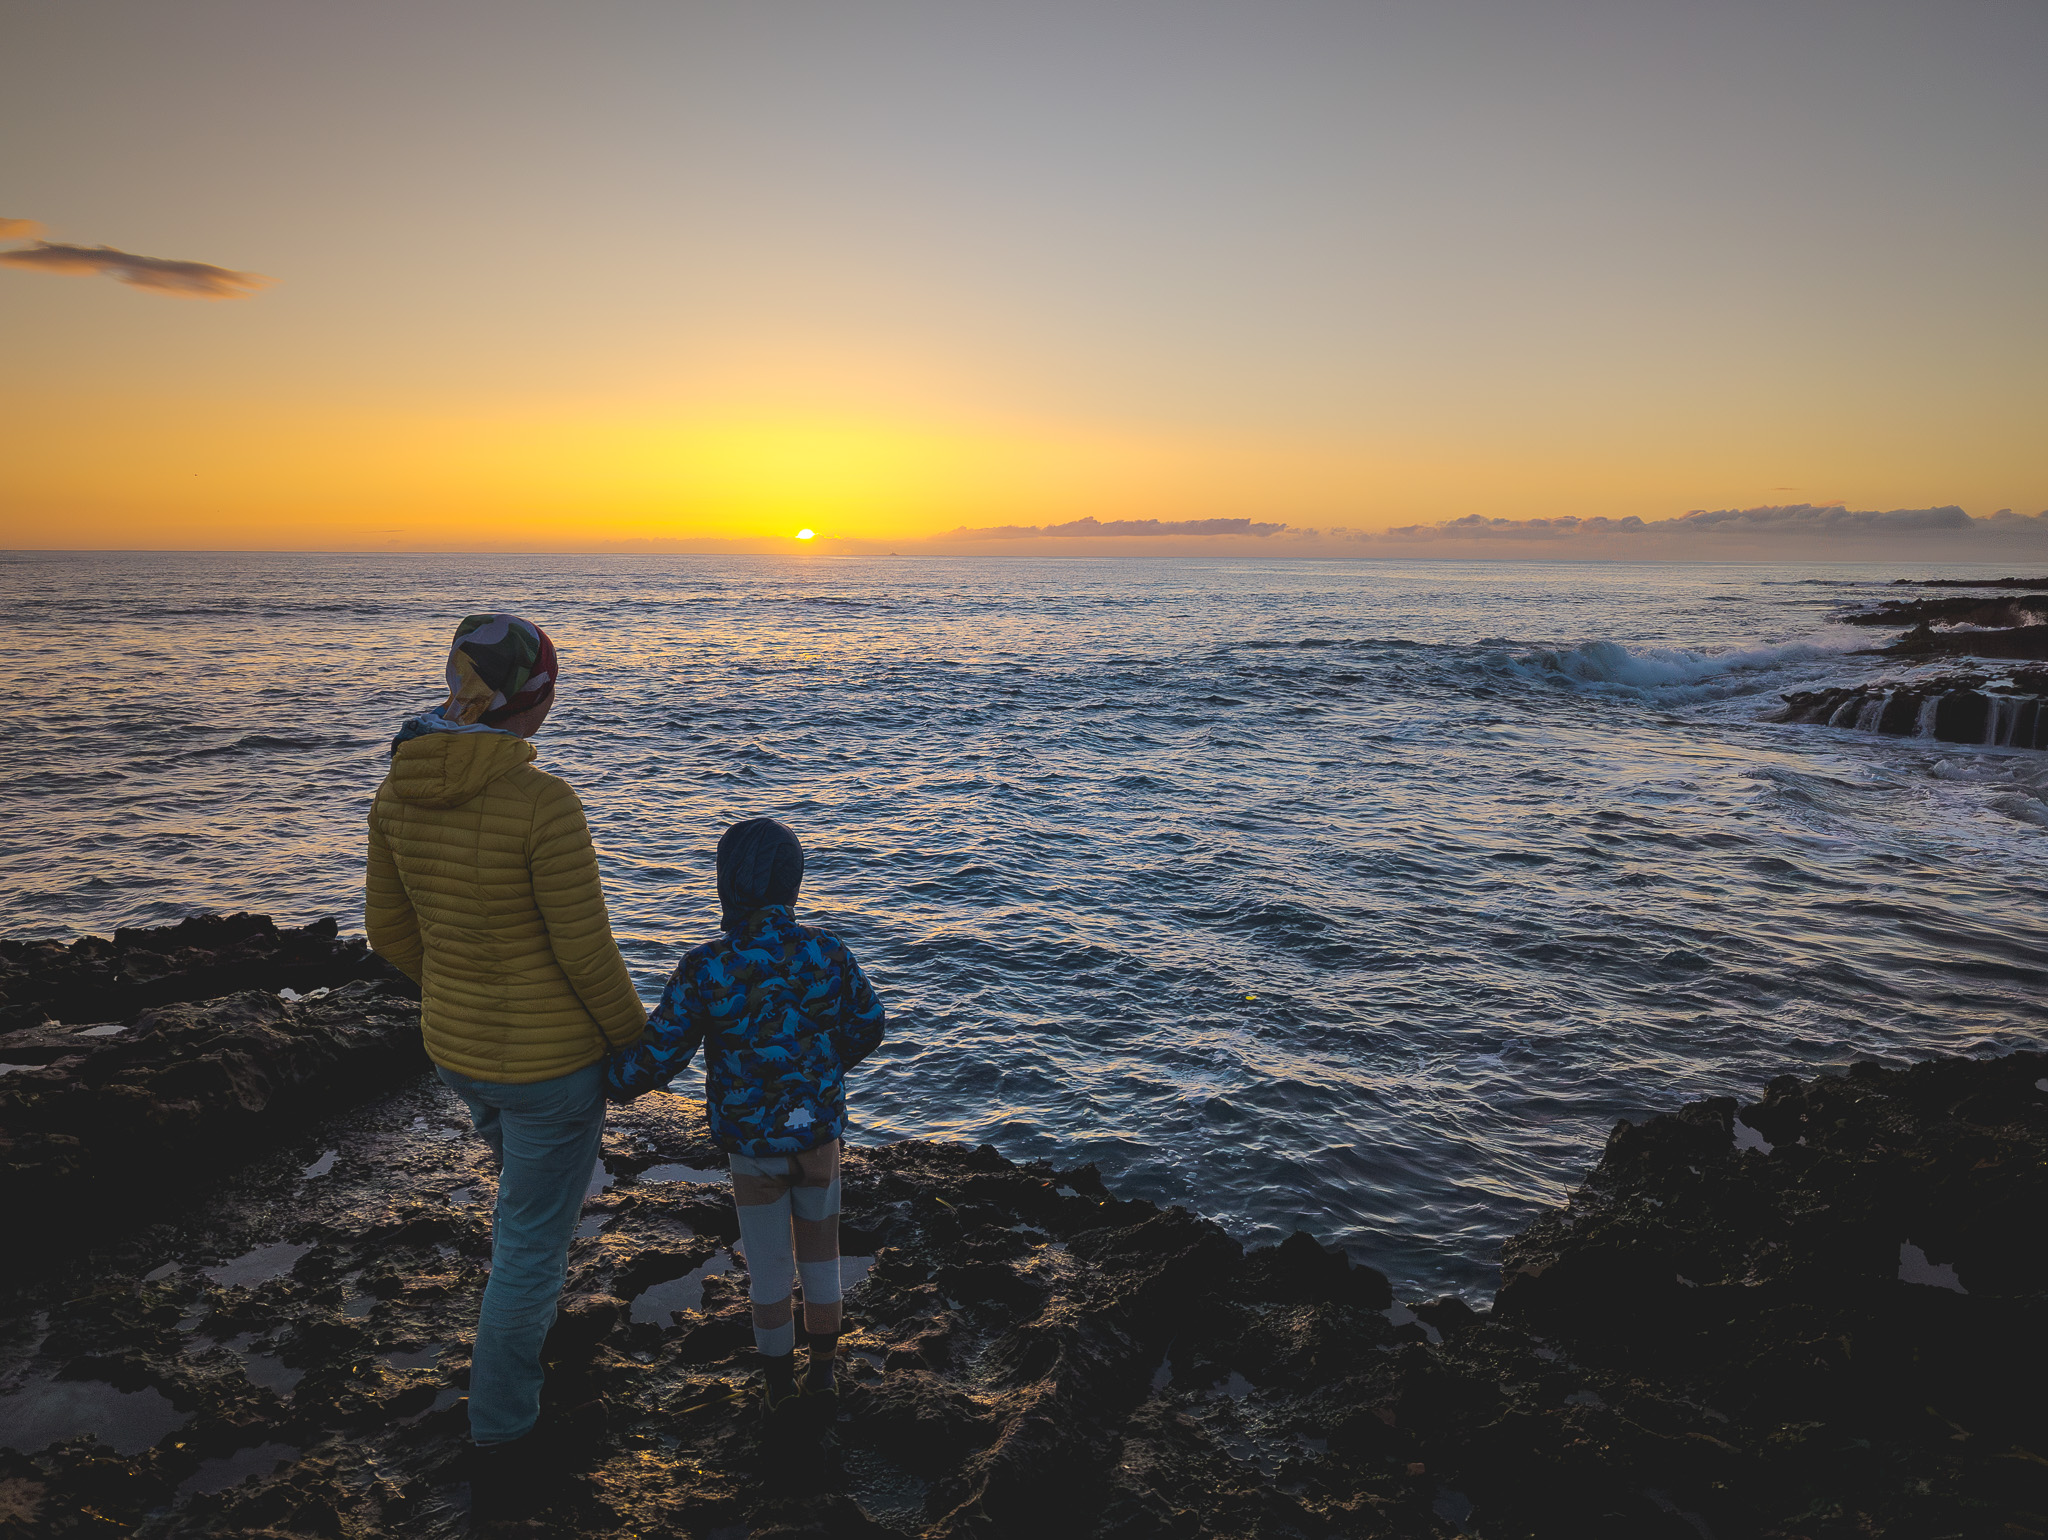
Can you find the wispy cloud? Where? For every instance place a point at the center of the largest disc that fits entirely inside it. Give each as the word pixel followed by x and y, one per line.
pixel 160 275
pixel 19 229
pixel 1119 527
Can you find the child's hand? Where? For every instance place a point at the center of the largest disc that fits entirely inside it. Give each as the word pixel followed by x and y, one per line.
pixel 619 1083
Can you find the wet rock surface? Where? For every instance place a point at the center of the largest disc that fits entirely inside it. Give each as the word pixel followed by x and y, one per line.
pixel 1843 1273
pixel 2008 710
pixel 101 979
pixel 2006 618
pixel 1975 611
pixel 1818 1316
pixel 1976 626
pixel 1923 641
pixel 1983 707
pixel 100 1120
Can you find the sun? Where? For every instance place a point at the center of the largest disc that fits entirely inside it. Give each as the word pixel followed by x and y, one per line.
pixel 807 534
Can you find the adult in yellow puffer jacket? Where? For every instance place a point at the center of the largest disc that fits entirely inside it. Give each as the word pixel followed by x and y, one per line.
pixel 483 886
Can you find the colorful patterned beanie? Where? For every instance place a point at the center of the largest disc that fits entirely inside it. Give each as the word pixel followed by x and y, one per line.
pixel 498 666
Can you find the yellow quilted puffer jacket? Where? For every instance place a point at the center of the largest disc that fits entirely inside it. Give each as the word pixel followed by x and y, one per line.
pixel 483 886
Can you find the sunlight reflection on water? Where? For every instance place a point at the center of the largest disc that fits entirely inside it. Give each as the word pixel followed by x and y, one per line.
pixel 1499 854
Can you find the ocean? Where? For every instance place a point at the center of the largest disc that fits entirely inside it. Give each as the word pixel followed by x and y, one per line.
pixel 1358 897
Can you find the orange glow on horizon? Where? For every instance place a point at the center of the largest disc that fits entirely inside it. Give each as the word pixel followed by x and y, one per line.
pixel 138 472
pixel 188 473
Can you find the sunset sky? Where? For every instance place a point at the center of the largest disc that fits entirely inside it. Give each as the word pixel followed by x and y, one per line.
pixel 930 275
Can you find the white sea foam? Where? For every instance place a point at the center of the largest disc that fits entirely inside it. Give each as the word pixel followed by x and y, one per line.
pixel 2019 774
pixel 1680 674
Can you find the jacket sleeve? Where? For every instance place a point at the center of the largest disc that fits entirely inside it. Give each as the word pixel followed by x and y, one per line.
pixel 388 916
pixel 861 1017
pixel 675 1030
pixel 570 897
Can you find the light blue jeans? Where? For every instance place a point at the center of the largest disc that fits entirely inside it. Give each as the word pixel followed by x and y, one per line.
pixel 546 1138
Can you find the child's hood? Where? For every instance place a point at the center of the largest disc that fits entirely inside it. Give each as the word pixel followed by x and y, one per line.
pixel 760 862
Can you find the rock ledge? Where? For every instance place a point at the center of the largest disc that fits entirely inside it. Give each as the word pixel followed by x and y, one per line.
pixel 1818 1316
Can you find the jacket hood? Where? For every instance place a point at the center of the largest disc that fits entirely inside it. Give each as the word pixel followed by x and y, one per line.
pixel 760 862
pixel 447 769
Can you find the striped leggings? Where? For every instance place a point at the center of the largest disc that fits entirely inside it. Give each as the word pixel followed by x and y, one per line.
pixel 789 1224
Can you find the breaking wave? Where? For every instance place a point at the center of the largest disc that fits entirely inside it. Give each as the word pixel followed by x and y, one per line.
pixel 1676 673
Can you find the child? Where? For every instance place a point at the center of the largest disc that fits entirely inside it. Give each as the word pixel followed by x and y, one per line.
pixel 782 1012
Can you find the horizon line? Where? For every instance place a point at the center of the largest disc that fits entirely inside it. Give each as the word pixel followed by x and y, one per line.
pixel 814 554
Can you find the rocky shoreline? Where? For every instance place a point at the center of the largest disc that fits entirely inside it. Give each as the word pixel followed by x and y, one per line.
pixel 1820 1315
pixel 1994 710
pixel 2020 583
pixel 1991 707
pixel 131 1067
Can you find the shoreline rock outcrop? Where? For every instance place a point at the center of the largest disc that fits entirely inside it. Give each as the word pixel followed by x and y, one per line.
pixel 1994 583
pixel 97 1121
pixel 2029 643
pixel 1976 611
pixel 110 979
pixel 1822 1315
pixel 1974 627
pixel 2008 710
pixel 1975 706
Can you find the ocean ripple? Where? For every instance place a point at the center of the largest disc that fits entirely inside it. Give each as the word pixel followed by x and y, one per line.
pixel 1363 897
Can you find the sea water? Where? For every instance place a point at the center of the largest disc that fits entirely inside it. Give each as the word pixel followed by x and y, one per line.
pixel 1361 897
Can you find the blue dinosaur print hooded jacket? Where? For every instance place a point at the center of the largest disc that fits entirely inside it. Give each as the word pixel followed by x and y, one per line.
pixel 781 1011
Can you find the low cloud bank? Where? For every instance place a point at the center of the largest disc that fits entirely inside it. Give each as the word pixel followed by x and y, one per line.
pixel 1096 527
pixel 1790 519
pixel 1477 527
pixel 1777 532
pixel 19 229
pixel 159 275
pixel 1703 530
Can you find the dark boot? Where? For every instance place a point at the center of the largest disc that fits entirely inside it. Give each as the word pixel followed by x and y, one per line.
pixel 778 1384
pixel 819 1380
pixel 508 1482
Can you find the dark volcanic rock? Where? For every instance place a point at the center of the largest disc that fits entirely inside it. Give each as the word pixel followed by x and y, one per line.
pixel 2004 582
pixel 1923 641
pixel 1300 1270
pixel 97 980
pixel 1743 1328
pixel 1847 1273
pixel 2010 711
pixel 1974 626
pixel 1902 613
pixel 1807 1195
pixel 180 1094
pixel 99 1121
pixel 1964 708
